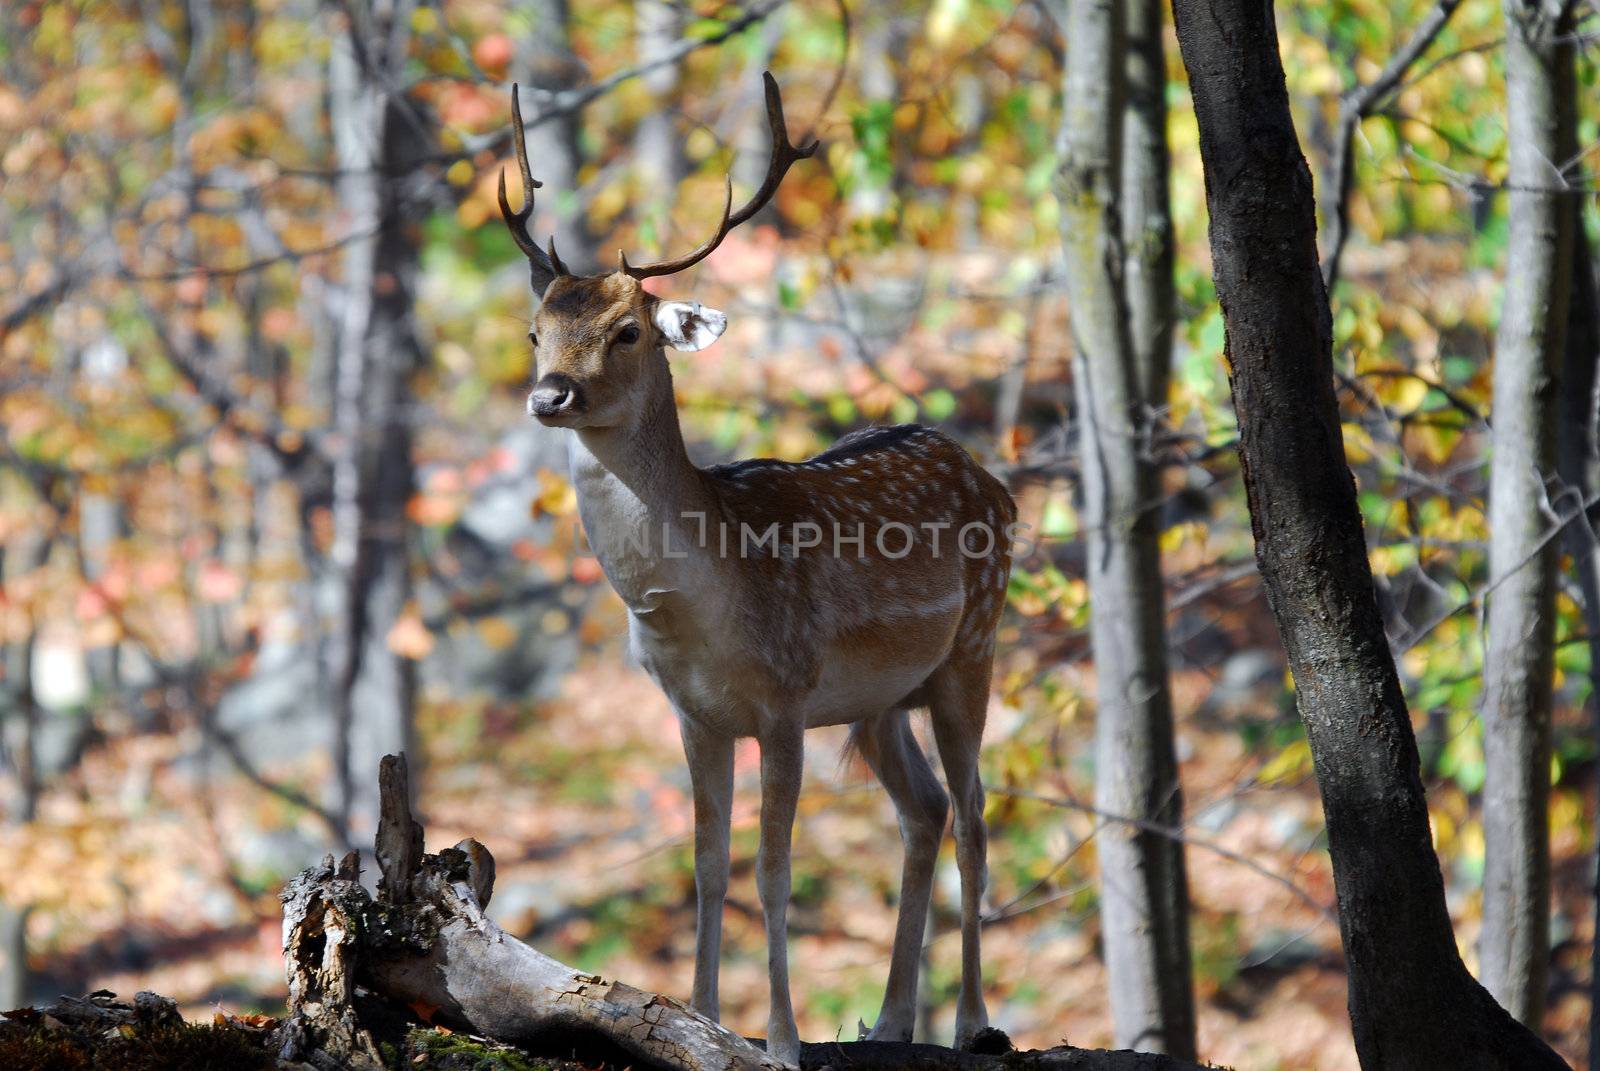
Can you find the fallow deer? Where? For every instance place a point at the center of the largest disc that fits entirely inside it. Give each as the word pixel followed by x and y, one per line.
pixel 882 618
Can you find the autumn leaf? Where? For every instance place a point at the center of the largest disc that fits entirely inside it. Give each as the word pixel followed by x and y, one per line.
pixel 556 498
pixel 492 51
pixel 497 633
pixel 409 637
pixel 216 582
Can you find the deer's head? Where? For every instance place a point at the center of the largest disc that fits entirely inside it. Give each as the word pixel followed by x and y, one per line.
pixel 597 339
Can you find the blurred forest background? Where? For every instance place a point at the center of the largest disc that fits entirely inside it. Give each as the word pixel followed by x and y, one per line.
pixel 270 505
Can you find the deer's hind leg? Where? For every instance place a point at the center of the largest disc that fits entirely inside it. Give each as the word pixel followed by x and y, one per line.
pixel 890 749
pixel 959 705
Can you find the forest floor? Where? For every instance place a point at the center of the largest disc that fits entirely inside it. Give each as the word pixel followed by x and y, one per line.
pixel 101 1034
pixel 584 802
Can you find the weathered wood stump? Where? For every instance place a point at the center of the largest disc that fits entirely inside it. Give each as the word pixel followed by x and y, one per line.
pixel 362 971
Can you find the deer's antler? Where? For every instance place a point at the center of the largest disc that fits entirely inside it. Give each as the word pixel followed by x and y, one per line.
pixel 545 266
pixel 783 156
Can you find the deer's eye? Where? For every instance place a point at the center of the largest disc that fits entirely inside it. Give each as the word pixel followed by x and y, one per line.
pixel 628 335
pixel 533 340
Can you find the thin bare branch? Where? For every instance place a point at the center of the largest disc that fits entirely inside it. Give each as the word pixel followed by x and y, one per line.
pixel 1355 106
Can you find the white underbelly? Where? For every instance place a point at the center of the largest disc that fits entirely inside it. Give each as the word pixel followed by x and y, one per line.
pixel 711 691
pixel 850 693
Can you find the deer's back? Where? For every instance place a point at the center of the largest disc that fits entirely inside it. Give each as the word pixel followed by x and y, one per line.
pixel 891 556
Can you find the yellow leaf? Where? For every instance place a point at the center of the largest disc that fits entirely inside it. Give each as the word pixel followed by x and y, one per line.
pixel 497 633
pixel 1180 534
pixel 1470 843
pixel 1358 445
pixel 1436 443
pixel 1401 393
pixel 556 498
pixel 1293 763
pixel 1444 829
pixel 947 16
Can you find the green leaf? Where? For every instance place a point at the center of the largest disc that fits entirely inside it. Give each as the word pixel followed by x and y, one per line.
pixel 706 29
pixel 939 404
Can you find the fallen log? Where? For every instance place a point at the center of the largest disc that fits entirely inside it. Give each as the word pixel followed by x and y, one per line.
pixel 363 971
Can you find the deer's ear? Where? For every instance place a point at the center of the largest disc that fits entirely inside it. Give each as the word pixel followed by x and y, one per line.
pixel 688 325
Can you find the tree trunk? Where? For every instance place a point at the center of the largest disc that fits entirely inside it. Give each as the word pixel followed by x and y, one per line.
pixel 19 745
pixel 749 132
pixel 879 46
pixel 22 807
pixel 1519 652
pixel 546 59
pixel 1147 205
pixel 101 524
pixel 1144 895
pixel 13 956
pixel 378 138
pixel 657 144
pixel 1413 1004
pixel 425 947
pixel 1576 455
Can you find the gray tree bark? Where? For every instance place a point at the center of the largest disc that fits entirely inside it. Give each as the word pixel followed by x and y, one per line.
pixel 19 729
pixel 1413 1005
pixel 13 956
pixel 749 131
pixel 377 139
pixel 546 60
pixel 880 43
pixel 1146 206
pixel 1519 649
pixel 657 144
pixel 20 743
pixel 101 523
pixel 1144 895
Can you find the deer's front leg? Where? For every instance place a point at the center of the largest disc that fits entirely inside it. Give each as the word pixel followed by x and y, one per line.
pixel 781 748
pixel 711 773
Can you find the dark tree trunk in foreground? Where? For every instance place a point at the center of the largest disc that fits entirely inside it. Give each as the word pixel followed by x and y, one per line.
pixel 1575 460
pixel 1143 885
pixel 1413 1005
pixel 1519 652
pixel 425 947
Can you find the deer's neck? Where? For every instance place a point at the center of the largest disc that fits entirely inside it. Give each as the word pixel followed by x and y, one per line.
pixel 641 500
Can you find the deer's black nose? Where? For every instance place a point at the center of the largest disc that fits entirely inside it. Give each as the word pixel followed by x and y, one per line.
pixel 555 394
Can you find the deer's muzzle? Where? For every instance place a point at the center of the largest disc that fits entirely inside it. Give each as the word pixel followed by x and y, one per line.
pixel 556 395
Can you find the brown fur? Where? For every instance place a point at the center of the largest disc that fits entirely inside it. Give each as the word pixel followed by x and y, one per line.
pixel 907 475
